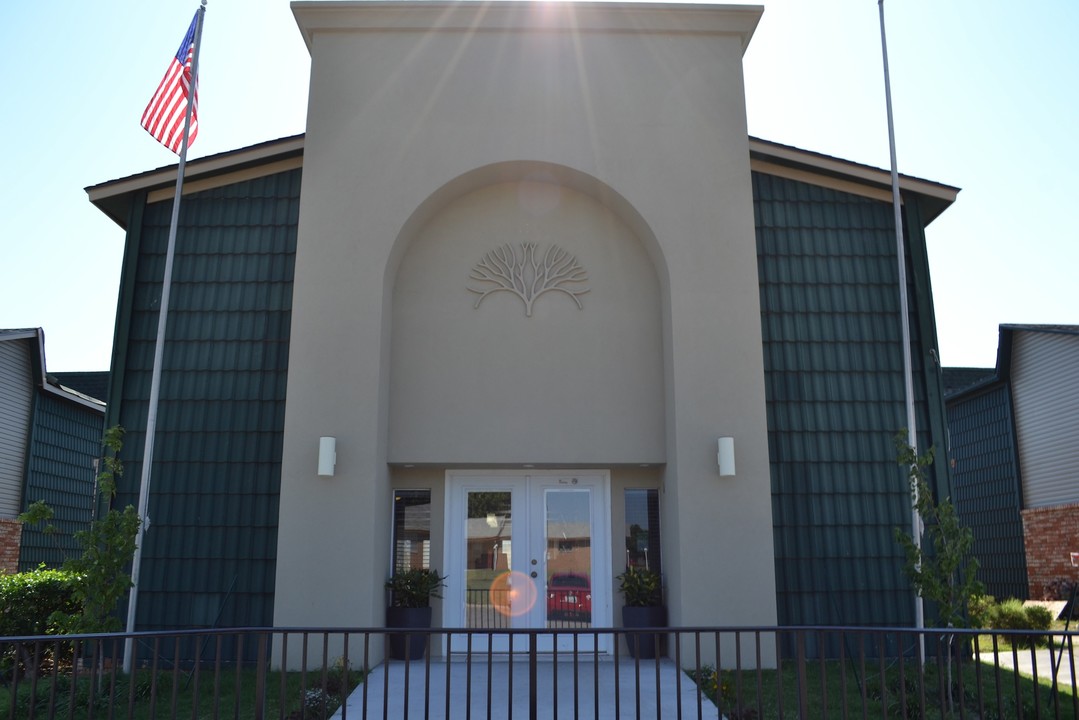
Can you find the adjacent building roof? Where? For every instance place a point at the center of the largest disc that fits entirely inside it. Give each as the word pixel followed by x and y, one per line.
pixel 962 381
pixel 959 379
pixel 1007 332
pixel 90 384
pixel 41 378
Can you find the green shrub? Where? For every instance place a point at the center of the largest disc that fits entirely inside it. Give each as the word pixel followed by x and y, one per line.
pixel 1012 615
pixel 980 609
pixel 1039 618
pixel 1009 615
pixel 28 599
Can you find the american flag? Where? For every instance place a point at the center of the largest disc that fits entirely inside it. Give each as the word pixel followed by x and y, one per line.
pixel 164 116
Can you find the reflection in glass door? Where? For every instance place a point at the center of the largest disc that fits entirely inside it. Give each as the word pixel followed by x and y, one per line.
pixel 568 538
pixel 488 557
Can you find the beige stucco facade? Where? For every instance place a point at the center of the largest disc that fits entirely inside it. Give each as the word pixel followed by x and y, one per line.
pixel 439 133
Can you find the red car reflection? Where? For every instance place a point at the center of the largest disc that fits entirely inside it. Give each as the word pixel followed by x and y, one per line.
pixel 569 597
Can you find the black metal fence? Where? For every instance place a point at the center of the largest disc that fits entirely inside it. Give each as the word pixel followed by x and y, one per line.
pixel 732 673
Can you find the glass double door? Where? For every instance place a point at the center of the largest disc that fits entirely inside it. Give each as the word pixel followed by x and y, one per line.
pixel 528 551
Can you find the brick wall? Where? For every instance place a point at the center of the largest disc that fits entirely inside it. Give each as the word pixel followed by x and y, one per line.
pixel 1050 534
pixel 10 541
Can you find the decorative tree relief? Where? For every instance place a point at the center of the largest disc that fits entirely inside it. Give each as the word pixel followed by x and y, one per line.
pixel 527 275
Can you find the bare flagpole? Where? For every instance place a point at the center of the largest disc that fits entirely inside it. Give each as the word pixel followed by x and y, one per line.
pixel 159 351
pixel 908 376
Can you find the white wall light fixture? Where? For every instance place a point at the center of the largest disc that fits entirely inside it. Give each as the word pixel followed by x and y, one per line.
pixel 327 456
pixel 725 456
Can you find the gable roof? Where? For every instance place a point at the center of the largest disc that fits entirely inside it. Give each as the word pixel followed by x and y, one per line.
pixel 1007 335
pixel 115 198
pixel 43 380
pixel 960 382
pixel 18 333
pixel 819 169
pixel 1052 329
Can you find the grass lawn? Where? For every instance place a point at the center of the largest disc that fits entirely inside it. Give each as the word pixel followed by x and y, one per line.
pixel 852 689
pixel 183 695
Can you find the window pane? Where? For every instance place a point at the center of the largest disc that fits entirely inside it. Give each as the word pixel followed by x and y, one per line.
pixel 411 530
pixel 642 529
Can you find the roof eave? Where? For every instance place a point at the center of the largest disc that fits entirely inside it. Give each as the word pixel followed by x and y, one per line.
pixel 975 389
pixel 934 197
pixel 114 197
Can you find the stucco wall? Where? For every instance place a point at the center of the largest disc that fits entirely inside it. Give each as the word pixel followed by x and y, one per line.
pixel 490 384
pixel 639 107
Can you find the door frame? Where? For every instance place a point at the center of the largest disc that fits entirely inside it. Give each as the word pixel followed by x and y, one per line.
pixel 522 480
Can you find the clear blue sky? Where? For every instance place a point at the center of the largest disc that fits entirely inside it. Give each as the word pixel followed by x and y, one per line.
pixel 986 97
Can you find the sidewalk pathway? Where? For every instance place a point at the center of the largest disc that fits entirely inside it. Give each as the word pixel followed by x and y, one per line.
pixel 557 697
pixel 1039 663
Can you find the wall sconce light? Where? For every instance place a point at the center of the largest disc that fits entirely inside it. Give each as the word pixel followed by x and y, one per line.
pixel 327 456
pixel 725 456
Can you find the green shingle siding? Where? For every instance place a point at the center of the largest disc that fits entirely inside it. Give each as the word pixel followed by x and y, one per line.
pixel 835 395
pixel 987 489
pixel 210 552
pixel 60 470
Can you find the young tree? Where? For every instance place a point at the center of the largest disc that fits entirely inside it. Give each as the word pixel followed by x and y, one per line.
pixel 107 548
pixel 943 568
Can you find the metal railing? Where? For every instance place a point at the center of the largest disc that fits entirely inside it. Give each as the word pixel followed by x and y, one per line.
pixel 489 609
pixel 733 673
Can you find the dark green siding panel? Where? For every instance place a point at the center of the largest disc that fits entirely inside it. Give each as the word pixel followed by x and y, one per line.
pixel 61 471
pixel 833 358
pixel 210 552
pixel 986 481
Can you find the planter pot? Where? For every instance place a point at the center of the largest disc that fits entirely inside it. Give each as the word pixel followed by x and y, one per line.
pixel 408 646
pixel 643 645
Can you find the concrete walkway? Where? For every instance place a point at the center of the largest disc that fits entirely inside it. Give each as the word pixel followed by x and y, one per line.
pixel 1039 664
pixel 590 692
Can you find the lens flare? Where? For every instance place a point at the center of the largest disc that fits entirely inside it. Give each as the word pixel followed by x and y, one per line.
pixel 512 594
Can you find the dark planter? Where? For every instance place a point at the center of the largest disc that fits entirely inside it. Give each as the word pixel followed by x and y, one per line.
pixel 410 646
pixel 643 645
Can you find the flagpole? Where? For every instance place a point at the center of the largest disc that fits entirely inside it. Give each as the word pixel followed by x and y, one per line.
pixel 908 375
pixel 159 350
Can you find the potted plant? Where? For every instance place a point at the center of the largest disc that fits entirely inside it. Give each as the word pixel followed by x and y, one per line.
pixel 642 590
pixel 410 608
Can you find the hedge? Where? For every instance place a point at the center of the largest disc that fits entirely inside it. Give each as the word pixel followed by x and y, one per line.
pixel 28 599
